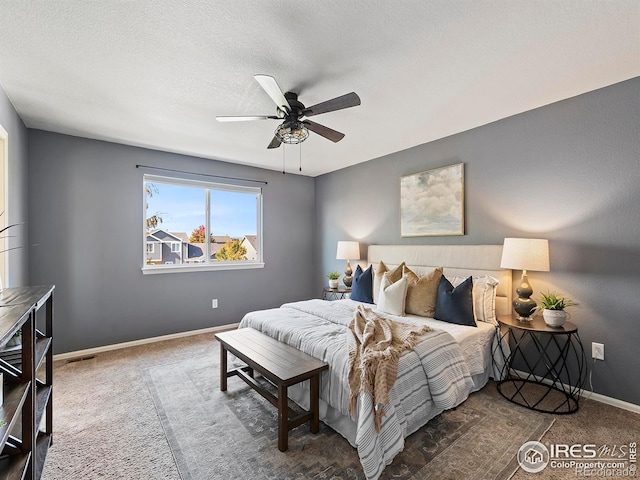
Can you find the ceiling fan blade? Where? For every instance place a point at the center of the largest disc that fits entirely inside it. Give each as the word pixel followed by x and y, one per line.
pixel 246 118
pixel 269 85
pixel 345 101
pixel 275 143
pixel 326 132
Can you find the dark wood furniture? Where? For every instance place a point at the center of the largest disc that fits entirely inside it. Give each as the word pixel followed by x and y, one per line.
pixel 335 293
pixel 28 382
pixel 283 366
pixel 544 368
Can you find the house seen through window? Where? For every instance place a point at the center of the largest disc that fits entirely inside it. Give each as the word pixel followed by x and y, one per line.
pixel 191 224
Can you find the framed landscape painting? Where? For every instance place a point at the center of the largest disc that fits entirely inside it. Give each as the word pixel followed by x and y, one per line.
pixel 432 202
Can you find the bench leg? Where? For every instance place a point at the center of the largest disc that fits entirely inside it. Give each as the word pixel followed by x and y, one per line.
pixel 314 403
pixel 283 419
pixel 223 368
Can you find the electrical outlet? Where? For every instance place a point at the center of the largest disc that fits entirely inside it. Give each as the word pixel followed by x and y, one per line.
pixel 597 350
pixel 214 303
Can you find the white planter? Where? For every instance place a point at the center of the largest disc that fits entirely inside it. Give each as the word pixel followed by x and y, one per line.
pixel 554 318
pixel 333 283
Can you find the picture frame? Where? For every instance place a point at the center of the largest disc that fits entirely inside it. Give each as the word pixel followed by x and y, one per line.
pixel 432 202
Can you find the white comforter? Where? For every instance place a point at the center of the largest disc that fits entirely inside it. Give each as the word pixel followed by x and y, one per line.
pixel 436 375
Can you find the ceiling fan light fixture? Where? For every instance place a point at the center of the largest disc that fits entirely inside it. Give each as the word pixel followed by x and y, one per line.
pixel 292 132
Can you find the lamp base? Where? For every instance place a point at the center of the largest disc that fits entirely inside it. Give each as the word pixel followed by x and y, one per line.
pixel 524 307
pixel 348 279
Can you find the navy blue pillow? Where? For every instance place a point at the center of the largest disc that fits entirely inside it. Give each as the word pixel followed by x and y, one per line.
pixel 455 305
pixel 362 286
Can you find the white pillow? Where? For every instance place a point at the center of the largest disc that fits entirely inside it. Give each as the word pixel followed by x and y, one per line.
pixel 378 271
pixel 391 297
pixel 484 297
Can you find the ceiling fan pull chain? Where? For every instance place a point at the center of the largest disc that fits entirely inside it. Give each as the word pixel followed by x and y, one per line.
pixel 300 155
pixel 283 149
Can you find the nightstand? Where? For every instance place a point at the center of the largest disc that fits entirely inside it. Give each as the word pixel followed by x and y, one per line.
pixel 335 293
pixel 544 368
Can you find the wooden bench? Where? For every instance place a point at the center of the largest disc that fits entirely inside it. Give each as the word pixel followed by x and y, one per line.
pixel 281 364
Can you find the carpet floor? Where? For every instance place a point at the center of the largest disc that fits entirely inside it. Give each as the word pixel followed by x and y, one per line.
pixel 233 434
pixel 156 412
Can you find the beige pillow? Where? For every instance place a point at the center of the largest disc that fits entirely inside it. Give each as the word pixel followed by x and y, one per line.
pixel 379 271
pixel 392 296
pixel 422 292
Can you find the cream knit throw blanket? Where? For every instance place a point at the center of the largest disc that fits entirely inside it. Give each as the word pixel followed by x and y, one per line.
pixel 375 345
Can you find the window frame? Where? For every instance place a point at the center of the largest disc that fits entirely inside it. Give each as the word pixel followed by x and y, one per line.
pixel 207 265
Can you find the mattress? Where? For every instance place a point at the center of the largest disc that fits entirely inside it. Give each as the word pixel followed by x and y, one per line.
pixel 439 373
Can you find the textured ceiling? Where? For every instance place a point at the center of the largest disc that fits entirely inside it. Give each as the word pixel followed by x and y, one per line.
pixel 156 73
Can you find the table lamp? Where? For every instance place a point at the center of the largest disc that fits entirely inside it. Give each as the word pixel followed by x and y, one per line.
pixel 348 251
pixel 525 254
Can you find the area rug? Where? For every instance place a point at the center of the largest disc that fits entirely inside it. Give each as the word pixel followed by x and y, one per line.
pixel 233 434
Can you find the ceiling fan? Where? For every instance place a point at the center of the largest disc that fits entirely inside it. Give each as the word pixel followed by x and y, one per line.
pixel 295 126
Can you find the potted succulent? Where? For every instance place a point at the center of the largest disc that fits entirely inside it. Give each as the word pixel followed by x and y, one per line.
pixel 333 279
pixel 552 305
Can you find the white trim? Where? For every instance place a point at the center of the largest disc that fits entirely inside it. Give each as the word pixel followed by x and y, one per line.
pixel 145 233
pixel 144 341
pixel 614 402
pixel 207 229
pixel 200 267
pixel 589 395
pixel 4 140
pixel 632 407
pixel 208 187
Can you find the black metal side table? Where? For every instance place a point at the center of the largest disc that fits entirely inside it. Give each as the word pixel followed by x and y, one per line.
pixel 335 293
pixel 544 367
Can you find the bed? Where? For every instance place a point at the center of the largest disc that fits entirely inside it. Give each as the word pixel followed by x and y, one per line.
pixel 439 373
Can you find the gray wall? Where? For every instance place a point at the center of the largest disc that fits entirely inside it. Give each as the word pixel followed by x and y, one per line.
pixel 569 172
pixel 17 204
pixel 86 215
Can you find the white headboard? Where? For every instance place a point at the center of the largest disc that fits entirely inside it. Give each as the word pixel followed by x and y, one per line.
pixel 457 260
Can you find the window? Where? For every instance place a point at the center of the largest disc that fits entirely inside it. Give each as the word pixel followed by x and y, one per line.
pixel 200 225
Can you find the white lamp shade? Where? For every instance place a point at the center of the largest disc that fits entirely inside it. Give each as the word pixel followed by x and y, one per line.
pixel 348 251
pixel 525 254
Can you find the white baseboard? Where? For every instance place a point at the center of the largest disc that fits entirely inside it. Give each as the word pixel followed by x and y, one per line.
pixel 116 346
pixel 632 407
pixel 589 395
